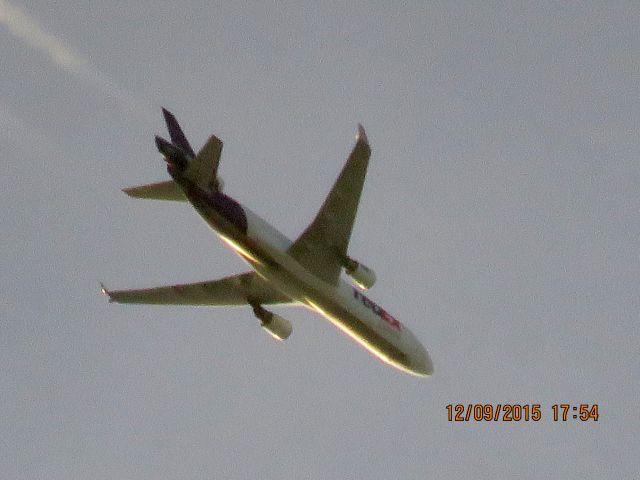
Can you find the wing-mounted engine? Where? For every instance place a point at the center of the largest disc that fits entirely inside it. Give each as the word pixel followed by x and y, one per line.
pixel 278 327
pixel 361 275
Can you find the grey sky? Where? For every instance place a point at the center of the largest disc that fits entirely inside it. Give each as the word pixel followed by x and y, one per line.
pixel 501 214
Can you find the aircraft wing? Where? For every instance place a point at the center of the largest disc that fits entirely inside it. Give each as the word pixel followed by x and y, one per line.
pixel 234 290
pixel 322 247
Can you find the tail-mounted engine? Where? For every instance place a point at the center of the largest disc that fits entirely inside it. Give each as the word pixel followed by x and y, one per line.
pixel 174 155
pixel 361 275
pixel 278 327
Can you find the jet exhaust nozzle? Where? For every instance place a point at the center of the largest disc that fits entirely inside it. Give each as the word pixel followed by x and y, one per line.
pixel 173 154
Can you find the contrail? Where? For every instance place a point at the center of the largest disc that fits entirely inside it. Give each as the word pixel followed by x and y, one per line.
pixel 27 29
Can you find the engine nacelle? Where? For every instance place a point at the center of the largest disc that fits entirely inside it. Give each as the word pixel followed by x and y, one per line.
pixel 362 275
pixel 173 154
pixel 278 327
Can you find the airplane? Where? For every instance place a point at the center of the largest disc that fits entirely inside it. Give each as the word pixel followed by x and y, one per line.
pixel 305 272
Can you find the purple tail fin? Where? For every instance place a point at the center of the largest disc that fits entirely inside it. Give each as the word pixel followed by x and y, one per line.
pixel 177 136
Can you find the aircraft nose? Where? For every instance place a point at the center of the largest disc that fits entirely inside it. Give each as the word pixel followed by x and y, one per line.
pixel 422 364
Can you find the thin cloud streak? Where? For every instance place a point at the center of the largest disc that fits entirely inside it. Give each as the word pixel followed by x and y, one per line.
pixel 27 29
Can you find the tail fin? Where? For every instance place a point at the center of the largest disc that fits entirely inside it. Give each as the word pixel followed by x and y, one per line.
pixel 177 136
pixel 202 168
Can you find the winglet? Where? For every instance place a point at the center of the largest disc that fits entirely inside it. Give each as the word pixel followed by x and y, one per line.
pixel 362 136
pixel 106 292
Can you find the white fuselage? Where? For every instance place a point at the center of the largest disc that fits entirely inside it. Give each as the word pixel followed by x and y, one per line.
pixel 265 249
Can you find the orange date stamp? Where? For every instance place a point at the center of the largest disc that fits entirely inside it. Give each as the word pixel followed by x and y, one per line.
pixel 520 412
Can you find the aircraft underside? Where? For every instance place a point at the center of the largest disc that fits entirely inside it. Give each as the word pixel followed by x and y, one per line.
pixel 306 271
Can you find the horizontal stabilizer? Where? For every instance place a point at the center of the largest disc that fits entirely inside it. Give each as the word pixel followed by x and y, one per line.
pixel 168 190
pixel 203 169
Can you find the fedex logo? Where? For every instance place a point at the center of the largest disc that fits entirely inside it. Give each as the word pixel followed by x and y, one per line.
pixel 381 312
